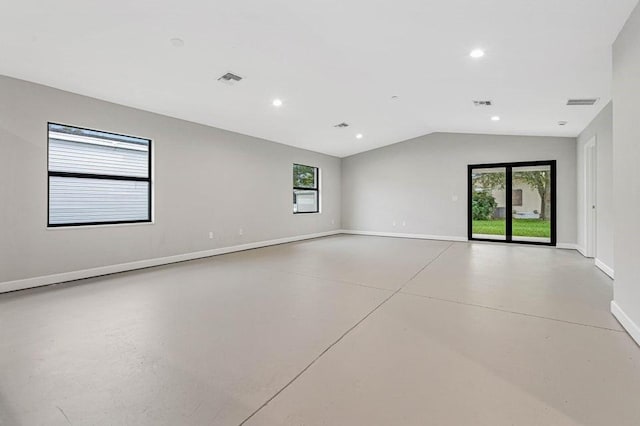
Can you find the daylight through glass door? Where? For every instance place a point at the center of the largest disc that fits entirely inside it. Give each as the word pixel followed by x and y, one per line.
pixel 531 204
pixel 488 203
pixel 512 202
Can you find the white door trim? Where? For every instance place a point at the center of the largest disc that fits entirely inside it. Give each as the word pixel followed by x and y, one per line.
pixel 590 196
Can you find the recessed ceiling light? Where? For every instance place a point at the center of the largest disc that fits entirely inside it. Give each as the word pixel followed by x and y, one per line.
pixel 477 53
pixel 359 136
pixel 277 102
pixel 495 118
pixel 562 123
pixel 177 42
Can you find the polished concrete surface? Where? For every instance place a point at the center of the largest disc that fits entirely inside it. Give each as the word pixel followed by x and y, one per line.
pixel 345 330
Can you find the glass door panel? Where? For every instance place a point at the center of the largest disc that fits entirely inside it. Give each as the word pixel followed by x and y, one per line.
pixel 488 203
pixel 513 202
pixel 531 204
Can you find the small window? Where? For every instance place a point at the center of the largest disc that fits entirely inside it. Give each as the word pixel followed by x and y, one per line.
pixel 306 195
pixel 516 197
pixel 97 177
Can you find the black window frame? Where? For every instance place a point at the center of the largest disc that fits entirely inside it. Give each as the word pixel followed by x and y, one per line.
pixel 100 177
pixel 316 188
pixel 552 164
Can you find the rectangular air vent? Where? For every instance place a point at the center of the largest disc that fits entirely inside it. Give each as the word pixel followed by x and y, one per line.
pixel 230 78
pixel 582 102
pixel 482 103
pixel 341 125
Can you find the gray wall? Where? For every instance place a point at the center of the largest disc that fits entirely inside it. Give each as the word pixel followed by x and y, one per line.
pixel 415 183
pixel 205 179
pixel 602 128
pixel 626 166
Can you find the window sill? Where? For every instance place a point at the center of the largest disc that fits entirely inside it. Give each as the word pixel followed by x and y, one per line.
pixel 106 225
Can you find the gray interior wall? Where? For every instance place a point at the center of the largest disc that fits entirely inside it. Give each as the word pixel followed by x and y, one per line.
pixel 626 166
pixel 205 179
pixel 602 128
pixel 421 184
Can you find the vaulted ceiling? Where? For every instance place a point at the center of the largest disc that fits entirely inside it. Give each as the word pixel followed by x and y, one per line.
pixel 392 70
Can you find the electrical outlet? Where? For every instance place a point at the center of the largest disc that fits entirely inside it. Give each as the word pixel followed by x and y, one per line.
pixel 404 223
pixel 333 221
pixel 240 231
pixel 454 198
pixel 393 223
pixel 211 235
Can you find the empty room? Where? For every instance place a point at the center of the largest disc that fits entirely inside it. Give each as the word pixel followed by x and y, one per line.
pixel 410 212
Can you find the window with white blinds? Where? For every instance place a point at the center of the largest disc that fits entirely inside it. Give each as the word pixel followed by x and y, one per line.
pixel 97 177
pixel 306 189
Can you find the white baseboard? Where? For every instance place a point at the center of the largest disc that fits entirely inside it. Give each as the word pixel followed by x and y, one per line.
pixel 581 250
pixel 130 266
pixel 632 328
pixel 568 246
pixel 605 268
pixel 401 235
pixel 140 264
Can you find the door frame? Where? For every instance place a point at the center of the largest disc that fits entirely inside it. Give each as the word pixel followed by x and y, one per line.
pixel 508 194
pixel 590 196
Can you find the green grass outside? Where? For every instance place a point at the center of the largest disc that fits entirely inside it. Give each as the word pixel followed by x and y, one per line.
pixel 521 227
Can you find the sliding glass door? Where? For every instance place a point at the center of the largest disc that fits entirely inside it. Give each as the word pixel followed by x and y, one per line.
pixel 512 202
pixel 531 203
pixel 488 203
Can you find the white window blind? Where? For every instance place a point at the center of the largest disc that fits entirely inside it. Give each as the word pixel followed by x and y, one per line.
pixel 97 177
pixel 87 157
pixel 305 201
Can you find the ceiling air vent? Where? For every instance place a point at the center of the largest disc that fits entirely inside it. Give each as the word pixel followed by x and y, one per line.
pixel 230 78
pixel 582 102
pixel 341 125
pixel 482 103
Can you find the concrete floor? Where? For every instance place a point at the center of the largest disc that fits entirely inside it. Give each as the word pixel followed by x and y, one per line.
pixel 345 330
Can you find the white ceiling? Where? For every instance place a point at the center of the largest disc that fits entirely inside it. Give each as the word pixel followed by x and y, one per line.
pixel 329 61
